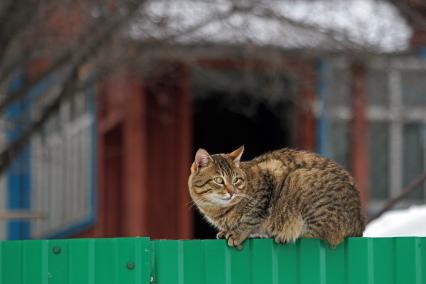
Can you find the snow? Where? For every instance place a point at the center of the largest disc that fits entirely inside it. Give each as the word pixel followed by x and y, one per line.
pixel 399 223
pixel 288 24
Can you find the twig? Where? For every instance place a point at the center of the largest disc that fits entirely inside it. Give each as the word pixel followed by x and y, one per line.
pixel 410 12
pixel 89 44
pixel 21 215
pixel 406 191
pixel 69 88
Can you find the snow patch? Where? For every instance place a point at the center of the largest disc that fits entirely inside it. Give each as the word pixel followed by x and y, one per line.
pixel 399 223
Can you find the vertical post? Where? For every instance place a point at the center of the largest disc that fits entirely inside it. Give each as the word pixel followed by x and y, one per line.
pixel 18 175
pixel 184 140
pixel 396 129
pixel 135 190
pixel 359 145
pixel 99 227
pixel 306 133
pixel 322 123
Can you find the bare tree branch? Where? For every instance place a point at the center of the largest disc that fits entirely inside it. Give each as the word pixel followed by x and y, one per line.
pixel 91 41
pixel 69 87
pixel 16 19
pixel 333 36
pixel 410 13
pixel 414 185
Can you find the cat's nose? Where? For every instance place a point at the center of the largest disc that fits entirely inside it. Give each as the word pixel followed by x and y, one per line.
pixel 230 191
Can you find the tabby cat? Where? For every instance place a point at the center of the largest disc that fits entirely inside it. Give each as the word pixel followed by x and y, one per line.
pixel 285 194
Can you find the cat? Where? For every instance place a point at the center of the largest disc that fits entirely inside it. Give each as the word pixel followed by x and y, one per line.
pixel 284 194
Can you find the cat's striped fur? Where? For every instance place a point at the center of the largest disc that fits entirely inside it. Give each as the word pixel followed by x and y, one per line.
pixel 285 194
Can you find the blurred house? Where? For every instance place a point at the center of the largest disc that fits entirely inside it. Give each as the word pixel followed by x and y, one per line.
pixel 49 190
pixel 121 163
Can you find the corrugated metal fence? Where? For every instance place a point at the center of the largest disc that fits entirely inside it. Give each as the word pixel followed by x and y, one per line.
pixel 142 261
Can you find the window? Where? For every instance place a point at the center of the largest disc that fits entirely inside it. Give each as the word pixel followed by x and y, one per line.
pixel 378 160
pixel 336 113
pixel 413 158
pixel 396 111
pixel 62 169
pixel 396 117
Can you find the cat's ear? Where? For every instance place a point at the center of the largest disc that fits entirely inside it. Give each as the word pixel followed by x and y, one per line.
pixel 202 159
pixel 236 155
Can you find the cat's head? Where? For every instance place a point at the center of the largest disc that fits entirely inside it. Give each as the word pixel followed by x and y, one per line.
pixel 217 180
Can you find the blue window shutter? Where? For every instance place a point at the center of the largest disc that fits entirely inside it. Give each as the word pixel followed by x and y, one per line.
pixel 18 175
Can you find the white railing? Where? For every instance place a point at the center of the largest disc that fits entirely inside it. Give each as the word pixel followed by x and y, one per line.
pixel 62 177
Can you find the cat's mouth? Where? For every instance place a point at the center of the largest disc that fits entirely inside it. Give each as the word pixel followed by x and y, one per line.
pixel 228 197
pixel 223 200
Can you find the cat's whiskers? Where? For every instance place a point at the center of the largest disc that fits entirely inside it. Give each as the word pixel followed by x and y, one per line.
pixel 190 204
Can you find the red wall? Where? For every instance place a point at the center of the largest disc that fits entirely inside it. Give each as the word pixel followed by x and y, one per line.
pixel 143 157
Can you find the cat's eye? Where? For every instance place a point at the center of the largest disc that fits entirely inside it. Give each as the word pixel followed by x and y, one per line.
pixel 218 180
pixel 237 180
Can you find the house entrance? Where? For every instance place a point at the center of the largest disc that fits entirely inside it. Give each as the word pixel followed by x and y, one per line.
pixel 224 119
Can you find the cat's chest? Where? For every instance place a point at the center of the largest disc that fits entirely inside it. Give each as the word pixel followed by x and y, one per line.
pixel 227 220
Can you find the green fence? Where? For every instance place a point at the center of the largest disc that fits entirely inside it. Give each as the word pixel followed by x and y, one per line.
pixel 143 261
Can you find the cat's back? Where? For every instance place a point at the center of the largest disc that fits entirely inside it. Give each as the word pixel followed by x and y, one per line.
pixel 318 190
pixel 287 160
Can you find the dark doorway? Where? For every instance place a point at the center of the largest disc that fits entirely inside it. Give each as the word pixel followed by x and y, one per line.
pixel 222 122
pixel 113 181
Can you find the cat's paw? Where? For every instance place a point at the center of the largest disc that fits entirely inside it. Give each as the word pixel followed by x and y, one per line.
pixel 279 240
pixel 284 239
pixel 235 240
pixel 221 235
